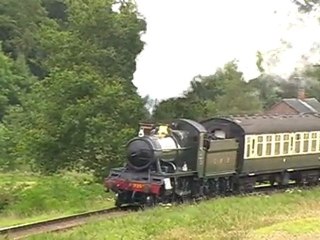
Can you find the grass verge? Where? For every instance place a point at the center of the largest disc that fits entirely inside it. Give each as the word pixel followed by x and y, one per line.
pixel 290 215
pixel 26 197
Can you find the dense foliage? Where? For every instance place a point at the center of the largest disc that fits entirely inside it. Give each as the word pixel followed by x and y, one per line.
pixel 67 100
pixel 74 105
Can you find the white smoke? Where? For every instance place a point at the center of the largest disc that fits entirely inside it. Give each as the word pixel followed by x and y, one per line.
pixel 299 45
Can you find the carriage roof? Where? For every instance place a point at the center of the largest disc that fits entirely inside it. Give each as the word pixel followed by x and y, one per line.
pixel 261 124
pixel 278 124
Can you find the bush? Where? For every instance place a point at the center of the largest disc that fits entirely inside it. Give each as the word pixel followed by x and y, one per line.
pixel 9 195
pixel 5 198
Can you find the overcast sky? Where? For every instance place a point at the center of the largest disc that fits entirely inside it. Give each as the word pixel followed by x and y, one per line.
pixel 185 38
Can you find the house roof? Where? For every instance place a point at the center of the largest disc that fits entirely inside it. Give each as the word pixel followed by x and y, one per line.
pixel 313 103
pixel 308 105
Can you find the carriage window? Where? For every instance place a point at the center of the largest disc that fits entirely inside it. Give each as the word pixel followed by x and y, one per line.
pixel 268 145
pixel 219 134
pixel 291 143
pixel 253 146
pixel 314 142
pixel 248 149
pixel 277 145
pixel 259 146
pixel 285 147
pixel 305 142
pixel 297 143
pixel 286 144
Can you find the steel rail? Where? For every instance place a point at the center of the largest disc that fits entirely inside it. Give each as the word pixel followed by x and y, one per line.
pixel 56 224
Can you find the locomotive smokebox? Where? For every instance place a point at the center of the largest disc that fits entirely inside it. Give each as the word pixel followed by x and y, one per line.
pixel 143 151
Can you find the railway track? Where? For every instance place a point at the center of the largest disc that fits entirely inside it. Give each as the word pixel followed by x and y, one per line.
pixel 57 224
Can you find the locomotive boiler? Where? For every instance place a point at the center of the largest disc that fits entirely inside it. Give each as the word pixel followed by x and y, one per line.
pixel 157 151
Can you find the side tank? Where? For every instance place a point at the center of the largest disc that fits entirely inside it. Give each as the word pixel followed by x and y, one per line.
pixel 221 157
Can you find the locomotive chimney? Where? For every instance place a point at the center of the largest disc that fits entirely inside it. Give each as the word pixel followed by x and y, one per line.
pixel 301 94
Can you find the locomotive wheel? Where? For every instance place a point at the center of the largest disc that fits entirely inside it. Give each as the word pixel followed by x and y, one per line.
pixel 150 201
pixel 222 186
pixel 118 203
pixel 120 200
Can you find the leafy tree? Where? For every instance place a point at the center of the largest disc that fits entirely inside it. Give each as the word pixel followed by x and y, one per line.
pixel 182 107
pixel 86 108
pixel 57 9
pixel 212 86
pixel 212 95
pixel 267 88
pixel 75 121
pixel 235 102
pixel 19 22
pixel 309 79
pixel 272 89
pixel 259 62
pixel 14 79
pixel 238 96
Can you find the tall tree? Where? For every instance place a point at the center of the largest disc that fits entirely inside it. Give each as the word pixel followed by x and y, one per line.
pixel 212 86
pixel 268 89
pixel 86 108
pixel 19 22
pixel 57 9
pixel 15 81
pixel 224 92
pixel 182 107
pixel 239 98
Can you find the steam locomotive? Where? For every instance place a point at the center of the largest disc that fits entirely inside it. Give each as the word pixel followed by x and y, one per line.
pixel 193 160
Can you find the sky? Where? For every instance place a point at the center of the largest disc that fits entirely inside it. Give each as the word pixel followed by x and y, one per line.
pixel 185 38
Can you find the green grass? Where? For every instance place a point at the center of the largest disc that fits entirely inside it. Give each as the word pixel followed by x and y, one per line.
pixel 296 226
pixel 293 214
pixel 30 197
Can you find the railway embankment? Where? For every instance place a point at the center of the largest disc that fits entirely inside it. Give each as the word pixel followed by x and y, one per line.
pixel 293 214
pixel 26 197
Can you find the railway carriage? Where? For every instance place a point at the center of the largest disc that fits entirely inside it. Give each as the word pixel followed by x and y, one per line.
pixel 274 148
pixel 218 156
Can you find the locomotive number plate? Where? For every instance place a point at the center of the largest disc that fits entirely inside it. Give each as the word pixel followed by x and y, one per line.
pixel 137 185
